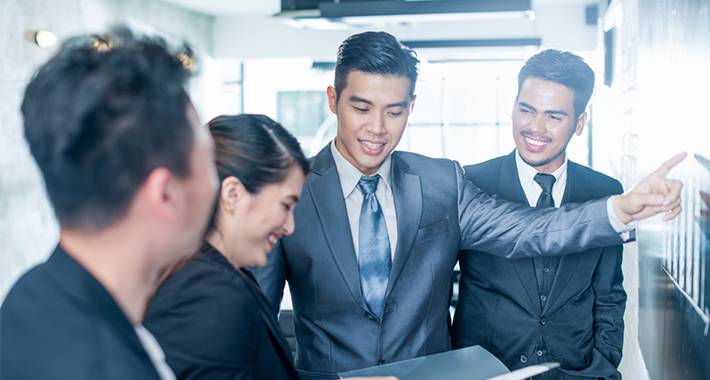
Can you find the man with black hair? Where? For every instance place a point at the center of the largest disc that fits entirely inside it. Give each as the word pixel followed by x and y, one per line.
pixel 378 232
pixel 130 173
pixel 565 309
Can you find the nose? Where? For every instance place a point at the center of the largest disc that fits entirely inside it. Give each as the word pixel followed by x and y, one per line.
pixel 289 225
pixel 537 124
pixel 376 124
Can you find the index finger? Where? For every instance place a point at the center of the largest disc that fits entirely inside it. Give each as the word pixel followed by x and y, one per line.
pixel 670 164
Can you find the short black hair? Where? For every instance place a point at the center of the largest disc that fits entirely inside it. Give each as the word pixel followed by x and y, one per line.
pixel 564 68
pixel 256 150
pixel 375 53
pixel 99 116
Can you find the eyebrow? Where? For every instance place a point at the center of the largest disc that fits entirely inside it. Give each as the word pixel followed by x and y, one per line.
pixel 357 99
pixel 548 112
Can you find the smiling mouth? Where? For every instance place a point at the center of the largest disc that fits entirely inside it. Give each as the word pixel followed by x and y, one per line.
pixel 372 148
pixel 536 142
pixel 272 239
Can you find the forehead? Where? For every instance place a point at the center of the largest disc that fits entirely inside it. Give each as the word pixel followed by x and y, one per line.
pixel 544 93
pixel 377 87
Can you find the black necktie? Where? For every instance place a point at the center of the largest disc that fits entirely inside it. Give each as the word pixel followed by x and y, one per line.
pixel 546 181
pixel 544 271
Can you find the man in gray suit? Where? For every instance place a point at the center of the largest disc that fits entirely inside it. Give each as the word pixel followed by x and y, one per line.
pixel 378 233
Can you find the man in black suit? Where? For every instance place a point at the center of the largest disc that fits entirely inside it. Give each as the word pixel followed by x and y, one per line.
pixel 567 309
pixel 130 174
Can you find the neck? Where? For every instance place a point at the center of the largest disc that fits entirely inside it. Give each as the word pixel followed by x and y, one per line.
pixel 117 263
pixel 547 167
pixel 214 237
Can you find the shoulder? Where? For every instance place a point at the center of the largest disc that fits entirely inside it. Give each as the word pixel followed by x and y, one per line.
pixel 420 162
pixel 204 310
pixel 484 168
pixel 201 286
pixel 28 289
pixel 51 331
pixel 598 183
pixel 437 175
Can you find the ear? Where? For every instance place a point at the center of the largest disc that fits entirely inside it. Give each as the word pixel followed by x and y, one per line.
pixel 232 194
pixel 332 100
pixel 581 121
pixel 159 193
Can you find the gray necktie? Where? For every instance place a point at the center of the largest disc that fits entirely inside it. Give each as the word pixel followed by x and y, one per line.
pixel 374 247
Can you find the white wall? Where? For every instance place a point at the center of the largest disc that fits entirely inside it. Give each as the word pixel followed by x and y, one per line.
pixel 28 230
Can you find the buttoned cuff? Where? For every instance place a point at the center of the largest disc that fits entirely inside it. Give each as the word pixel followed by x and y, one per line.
pixel 626 231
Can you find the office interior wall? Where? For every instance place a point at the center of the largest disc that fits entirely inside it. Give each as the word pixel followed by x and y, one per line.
pixel 28 230
pixel 655 107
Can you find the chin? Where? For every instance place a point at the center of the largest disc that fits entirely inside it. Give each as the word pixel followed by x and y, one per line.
pixel 260 261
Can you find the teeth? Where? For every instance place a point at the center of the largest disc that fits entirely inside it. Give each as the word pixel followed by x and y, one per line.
pixel 372 145
pixel 534 142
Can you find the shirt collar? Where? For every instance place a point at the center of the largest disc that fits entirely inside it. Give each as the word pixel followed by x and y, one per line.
pixel 526 173
pixel 350 175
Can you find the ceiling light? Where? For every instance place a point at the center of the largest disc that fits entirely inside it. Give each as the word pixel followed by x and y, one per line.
pixel 45 39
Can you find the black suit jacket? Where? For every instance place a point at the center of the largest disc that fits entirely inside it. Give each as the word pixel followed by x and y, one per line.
pixel 499 308
pixel 214 323
pixel 59 322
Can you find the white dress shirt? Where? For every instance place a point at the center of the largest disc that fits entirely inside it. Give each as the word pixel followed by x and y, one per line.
pixel 349 177
pixel 526 175
pixel 155 353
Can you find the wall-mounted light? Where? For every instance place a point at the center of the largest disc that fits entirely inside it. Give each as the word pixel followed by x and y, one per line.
pixel 44 39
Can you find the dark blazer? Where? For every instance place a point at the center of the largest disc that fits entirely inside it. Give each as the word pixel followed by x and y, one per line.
pixel 213 322
pixel 582 322
pixel 59 322
pixel 438 212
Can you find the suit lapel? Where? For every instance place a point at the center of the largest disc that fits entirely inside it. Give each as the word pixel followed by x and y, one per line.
pixel 509 187
pixel 407 194
pixel 329 204
pixel 575 192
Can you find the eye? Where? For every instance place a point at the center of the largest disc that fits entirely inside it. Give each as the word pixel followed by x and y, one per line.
pixel 360 110
pixel 287 206
pixel 396 114
pixel 555 118
pixel 524 110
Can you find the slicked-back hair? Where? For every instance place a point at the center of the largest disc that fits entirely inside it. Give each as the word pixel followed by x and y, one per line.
pixel 256 150
pixel 563 68
pixel 100 116
pixel 375 53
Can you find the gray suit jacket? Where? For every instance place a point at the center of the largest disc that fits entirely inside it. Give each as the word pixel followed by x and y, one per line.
pixel 439 213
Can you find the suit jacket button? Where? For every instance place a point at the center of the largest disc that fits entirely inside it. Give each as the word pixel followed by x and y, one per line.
pixel 381 362
pixel 539 353
pixel 523 359
pixel 543 321
pixel 389 309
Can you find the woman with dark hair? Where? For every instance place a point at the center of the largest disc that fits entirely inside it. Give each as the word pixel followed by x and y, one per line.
pixel 209 315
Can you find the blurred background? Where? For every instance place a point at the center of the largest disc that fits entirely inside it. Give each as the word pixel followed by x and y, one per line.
pixel 276 57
